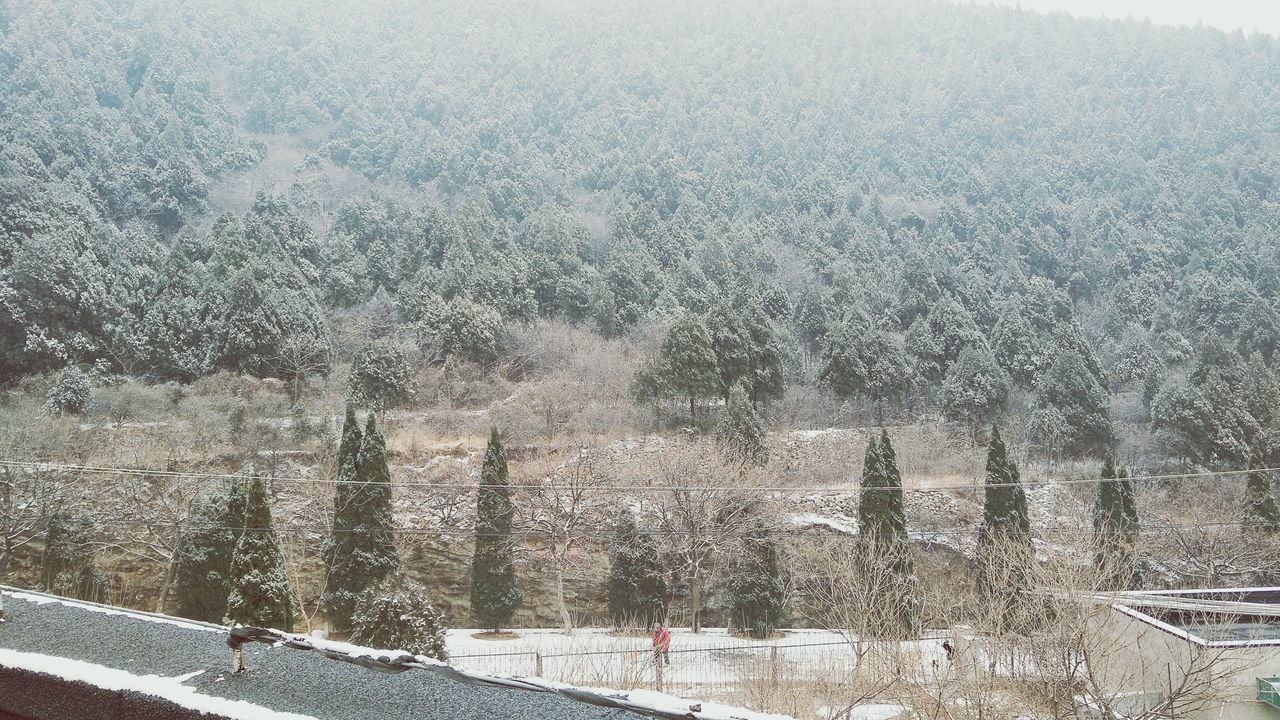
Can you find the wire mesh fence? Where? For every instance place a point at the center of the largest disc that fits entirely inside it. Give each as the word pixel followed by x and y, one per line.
pixel 727 672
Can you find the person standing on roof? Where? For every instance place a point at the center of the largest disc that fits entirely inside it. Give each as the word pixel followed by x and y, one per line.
pixel 662 644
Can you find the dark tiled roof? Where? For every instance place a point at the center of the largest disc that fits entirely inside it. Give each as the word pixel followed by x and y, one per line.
pixel 277 678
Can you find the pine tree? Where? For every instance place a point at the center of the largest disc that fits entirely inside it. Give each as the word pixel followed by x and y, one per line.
pixel 739 432
pixel 1261 516
pixel 396 614
pixel 260 594
pixel 975 390
pixel 937 339
pixel 1077 394
pixel 756 590
pixel 360 549
pixel 861 361
pixel 338 599
pixel 636 587
pixel 205 550
pixel 380 377
pixel 1115 527
pixel 747 350
pixel 883 552
pixel 1004 539
pixel 1016 347
pixel 494 595
pixel 685 367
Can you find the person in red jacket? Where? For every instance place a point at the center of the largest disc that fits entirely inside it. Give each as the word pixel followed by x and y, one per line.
pixel 662 644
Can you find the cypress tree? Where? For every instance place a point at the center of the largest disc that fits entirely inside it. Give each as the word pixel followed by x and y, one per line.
pixel 739 432
pixel 1004 511
pixel 260 594
pixel 337 598
pixel 360 550
pixel 756 590
pixel 494 595
pixel 636 587
pixel 1261 516
pixel 1115 527
pixel 1004 539
pixel 204 555
pixel 884 549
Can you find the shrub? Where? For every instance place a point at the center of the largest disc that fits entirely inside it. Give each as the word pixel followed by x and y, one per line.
pixel 380 377
pixel 70 394
pixel 396 614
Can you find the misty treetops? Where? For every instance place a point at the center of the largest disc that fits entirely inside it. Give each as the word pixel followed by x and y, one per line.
pixel 956 204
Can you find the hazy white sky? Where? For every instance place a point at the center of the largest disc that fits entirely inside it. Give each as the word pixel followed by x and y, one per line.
pixel 1249 15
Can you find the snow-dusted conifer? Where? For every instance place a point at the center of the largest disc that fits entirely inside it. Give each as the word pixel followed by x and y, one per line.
pixel 396 614
pixel 70 394
pixel 1115 527
pixel 756 590
pixel 1004 538
pixel 360 550
pixel 975 388
pixel 684 368
pixel 205 549
pixel 1261 516
pixel 636 587
pixel 739 432
pixel 494 595
pixel 380 377
pixel 883 553
pixel 260 594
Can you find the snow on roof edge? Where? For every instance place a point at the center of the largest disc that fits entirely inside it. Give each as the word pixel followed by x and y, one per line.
pixel 165 688
pixel 39 598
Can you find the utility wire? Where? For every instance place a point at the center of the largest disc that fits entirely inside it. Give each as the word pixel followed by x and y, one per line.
pixel 470 531
pixel 101 470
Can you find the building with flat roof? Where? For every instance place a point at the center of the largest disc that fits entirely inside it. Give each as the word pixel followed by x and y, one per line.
pixel 1209 653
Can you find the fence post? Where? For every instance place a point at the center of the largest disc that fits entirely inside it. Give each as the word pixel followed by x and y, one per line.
pixel 774 662
pixel 657 670
pixel 537 664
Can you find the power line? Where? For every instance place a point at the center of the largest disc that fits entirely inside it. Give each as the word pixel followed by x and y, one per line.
pixel 916 535
pixel 788 489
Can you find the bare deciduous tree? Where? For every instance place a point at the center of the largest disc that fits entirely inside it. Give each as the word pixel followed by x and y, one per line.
pixel 703 510
pixel 560 515
pixel 28 497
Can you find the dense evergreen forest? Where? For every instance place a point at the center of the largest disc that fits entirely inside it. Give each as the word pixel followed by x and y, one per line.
pixel 912 205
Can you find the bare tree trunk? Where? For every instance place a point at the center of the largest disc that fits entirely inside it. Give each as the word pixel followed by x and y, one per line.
pixel 566 622
pixel 695 599
pixel 6 512
pixel 169 571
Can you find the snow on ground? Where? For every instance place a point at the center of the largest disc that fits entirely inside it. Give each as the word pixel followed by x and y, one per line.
pixel 168 688
pixel 878 711
pixel 460 641
pixel 650 699
pixel 709 665
pixel 839 523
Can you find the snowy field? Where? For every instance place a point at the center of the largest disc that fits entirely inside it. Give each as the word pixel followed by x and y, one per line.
pixel 708 665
